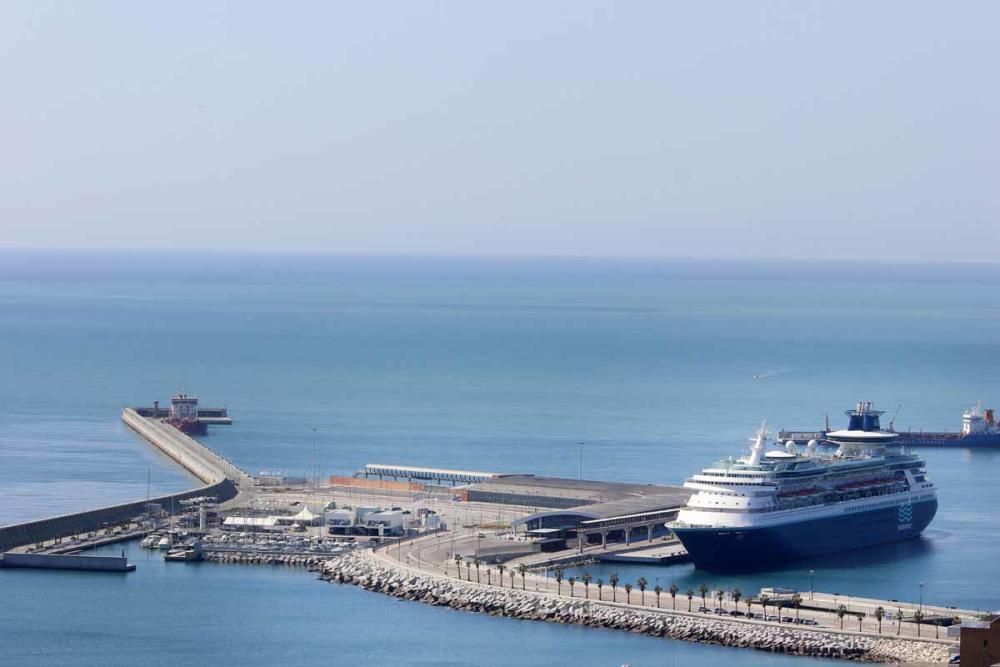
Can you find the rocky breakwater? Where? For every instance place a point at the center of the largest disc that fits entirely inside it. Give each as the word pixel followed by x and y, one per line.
pixel 372 573
pixel 253 558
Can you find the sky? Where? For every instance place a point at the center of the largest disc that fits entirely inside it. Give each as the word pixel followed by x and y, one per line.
pixel 797 129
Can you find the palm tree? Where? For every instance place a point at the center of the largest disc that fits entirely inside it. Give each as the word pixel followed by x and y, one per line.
pixel 478 563
pixel 613 580
pixel 690 596
pixel 468 570
pixel 879 615
pixel 522 569
pixel 720 594
pixel 657 589
pixel 572 582
pixel 500 568
pixel 899 622
pixel 559 578
pixel 703 589
pixel 600 585
pixel 586 584
pixel 513 574
pixel 674 589
pixel 764 599
pixel 749 603
pixel 736 595
pixel 628 593
pixel 458 564
pixel 841 613
pixel 796 602
pixel 917 617
pixel 861 617
pixel 642 583
pixel 780 604
pixel 489 579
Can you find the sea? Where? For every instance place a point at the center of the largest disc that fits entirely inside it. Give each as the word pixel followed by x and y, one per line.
pixel 658 366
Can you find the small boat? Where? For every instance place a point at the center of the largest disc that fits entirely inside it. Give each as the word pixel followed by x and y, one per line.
pixel 164 544
pixel 148 542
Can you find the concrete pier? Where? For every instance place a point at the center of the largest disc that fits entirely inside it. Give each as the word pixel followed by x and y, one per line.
pixel 66 562
pixel 193 456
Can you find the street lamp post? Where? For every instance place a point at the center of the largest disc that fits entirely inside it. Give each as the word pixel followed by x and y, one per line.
pixel 811 574
pixel 921 597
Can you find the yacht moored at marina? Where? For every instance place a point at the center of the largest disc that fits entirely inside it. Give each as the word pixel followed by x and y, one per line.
pixel 788 503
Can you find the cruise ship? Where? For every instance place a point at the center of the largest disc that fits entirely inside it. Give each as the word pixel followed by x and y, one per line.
pixel 789 503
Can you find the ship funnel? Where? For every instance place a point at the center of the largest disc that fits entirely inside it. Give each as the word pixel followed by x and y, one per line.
pixel 757 448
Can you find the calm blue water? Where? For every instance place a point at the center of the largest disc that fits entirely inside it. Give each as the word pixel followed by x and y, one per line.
pixel 499 365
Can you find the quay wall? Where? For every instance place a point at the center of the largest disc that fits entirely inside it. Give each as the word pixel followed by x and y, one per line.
pixel 376 572
pixel 62 562
pixel 32 532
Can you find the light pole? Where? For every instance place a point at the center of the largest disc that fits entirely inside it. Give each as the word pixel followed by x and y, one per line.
pixel 811 573
pixel 314 460
pixel 921 597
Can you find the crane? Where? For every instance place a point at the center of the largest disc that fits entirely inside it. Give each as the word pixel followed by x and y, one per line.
pixel 892 422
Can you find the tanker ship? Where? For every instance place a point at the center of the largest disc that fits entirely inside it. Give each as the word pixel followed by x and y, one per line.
pixel 979 429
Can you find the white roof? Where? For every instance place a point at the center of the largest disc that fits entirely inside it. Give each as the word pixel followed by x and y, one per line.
pixel 777 454
pixel 267 521
pixel 306 515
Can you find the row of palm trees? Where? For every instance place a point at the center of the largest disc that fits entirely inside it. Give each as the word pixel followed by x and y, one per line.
pixel 643 584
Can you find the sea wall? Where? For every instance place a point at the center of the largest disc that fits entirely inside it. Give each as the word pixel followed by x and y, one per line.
pixel 373 573
pixel 33 532
pixel 62 562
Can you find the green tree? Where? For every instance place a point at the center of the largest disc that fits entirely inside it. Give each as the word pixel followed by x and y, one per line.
pixel 879 615
pixel 489 578
pixel 500 569
pixel 572 582
pixel 559 578
pixel 642 584
pixel 613 580
pixel 458 564
pixel 918 616
pixel 478 563
pixel 841 613
pixel 796 602
pixel 586 584
pixel 899 621
pixel 764 599
pixel 628 593
pixel 703 589
pixel 719 595
pixel 861 617
pixel 690 596
pixel 657 589
pixel 674 589
pixel 600 586
pixel 736 595
pixel 522 569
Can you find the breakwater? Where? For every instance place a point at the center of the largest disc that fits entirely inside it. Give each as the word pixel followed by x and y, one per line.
pixel 372 572
pixel 64 562
pixel 193 456
pixel 33 532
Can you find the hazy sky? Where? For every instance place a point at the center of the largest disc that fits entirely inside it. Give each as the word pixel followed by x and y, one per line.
pixel 755 129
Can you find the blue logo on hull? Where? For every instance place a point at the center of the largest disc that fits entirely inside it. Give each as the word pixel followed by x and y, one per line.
pixel 905 516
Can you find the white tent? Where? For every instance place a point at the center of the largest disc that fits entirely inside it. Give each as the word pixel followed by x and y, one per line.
pixel 307 517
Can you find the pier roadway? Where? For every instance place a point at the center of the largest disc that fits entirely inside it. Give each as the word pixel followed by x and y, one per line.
pixel 430 555
pixel 434 555
pixel 193 456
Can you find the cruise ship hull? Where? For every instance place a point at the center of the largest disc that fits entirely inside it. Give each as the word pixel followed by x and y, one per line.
pixel 744 549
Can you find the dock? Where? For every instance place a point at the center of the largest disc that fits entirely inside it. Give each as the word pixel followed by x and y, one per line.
pixel 66 562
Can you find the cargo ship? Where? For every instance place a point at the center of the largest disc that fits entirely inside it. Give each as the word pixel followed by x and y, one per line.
pixel 789 503
pixel 979 429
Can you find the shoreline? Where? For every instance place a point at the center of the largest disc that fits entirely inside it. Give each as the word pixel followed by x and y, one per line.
pixel 374 573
